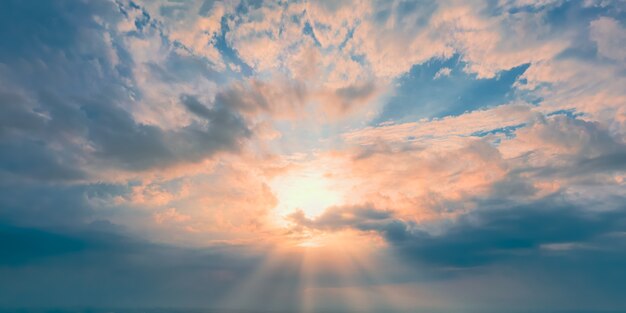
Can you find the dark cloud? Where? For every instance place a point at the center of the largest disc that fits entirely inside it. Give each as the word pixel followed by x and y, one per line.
pixel 116 136
pixel 492 236
pixel 96 266
pixel 56 251
pixel 34 160
pixel 22 245
pixel 545 250
pixel 604 163
pixel 66 104
pixel 55 206
pixel 363 217
pixel 588 155
pixel 255 96
pixel 497 232
pixel 17 116
pixel 353 95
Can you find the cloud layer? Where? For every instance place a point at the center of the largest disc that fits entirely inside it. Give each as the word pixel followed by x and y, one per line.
pixel 354 155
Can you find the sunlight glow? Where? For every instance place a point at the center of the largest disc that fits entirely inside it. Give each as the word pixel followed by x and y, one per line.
pixel 309 189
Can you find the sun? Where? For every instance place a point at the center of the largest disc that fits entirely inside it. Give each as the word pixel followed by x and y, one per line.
pixel 309 189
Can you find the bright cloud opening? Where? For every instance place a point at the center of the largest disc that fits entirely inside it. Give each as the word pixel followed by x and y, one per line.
pixel 309 189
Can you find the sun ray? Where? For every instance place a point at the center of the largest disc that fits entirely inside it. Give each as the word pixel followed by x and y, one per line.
pixel 272 285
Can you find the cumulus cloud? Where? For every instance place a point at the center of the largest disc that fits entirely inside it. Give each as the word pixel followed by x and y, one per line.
pixel 424 182
pixel 489 236
pixel 79 117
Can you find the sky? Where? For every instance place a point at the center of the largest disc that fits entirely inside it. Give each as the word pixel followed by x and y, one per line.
pixel 313 156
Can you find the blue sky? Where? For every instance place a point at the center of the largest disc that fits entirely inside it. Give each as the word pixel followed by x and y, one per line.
pixel 439 88
pixel 313 156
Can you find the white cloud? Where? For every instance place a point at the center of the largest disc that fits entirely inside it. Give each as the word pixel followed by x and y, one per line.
pixel 444 71
pixel 610 38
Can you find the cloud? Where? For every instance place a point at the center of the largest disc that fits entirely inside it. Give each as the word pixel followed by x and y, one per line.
pixel 444 71
pixel 500 231
pixel 128 271
pixel 32 160
pixel 447 175
pixel 346 100
pixel 23 245
pixel 444 129
pixel 472 155
pixel 264 35
pixel 396 35
pixel 198 33
pixel 170 215
pixel 509 233
pixel 362 217
pixel 609 37
pixel 76 116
